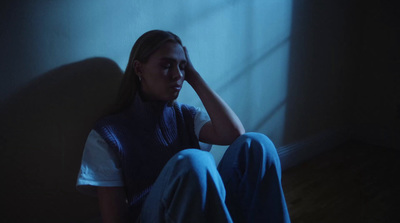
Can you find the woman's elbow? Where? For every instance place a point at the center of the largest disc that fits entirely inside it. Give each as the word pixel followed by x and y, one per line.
pixel 236 132
pixel 240 131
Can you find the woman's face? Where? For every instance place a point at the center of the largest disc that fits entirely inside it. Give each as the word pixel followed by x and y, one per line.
pixel 164 73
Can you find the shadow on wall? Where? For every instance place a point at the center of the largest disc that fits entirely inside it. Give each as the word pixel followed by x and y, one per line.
pixel 43 129
pixel 324 58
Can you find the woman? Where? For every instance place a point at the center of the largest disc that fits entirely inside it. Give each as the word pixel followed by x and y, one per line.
pixel 145 161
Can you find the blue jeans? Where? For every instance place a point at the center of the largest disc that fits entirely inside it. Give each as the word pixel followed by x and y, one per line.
pixel 246 186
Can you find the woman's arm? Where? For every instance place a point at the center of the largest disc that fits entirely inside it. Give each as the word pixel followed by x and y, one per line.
pixel 224 126
pixel 113 206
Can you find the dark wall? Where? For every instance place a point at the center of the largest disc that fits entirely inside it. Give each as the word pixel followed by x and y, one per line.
pixel 378 80
pixel 43 128
pixel 344 69
pixel 323 63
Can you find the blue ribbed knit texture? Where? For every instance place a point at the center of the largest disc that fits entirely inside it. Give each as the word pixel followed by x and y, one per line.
pixel 146 136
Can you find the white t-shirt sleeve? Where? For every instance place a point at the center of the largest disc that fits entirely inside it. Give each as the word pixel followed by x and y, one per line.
pixel 200 119
pixel 99 167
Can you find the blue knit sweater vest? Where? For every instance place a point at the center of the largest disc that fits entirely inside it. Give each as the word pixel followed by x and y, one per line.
pixel 145 136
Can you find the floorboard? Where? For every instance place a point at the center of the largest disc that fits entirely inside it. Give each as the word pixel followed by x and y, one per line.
pixel 355 182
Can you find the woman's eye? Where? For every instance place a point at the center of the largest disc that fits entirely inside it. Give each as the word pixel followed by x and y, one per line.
pixel 166 66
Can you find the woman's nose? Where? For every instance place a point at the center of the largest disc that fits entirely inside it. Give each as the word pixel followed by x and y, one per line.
pixel 177 73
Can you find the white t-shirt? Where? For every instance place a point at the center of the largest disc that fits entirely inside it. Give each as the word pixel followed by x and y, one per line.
pixel 100 165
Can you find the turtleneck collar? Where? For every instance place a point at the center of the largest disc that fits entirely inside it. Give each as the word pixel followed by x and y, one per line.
pixel 140 105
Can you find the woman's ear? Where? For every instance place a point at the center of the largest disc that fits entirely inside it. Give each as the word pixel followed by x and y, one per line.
pixel 137 66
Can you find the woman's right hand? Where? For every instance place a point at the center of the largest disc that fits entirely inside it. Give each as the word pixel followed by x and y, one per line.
pixel 190 71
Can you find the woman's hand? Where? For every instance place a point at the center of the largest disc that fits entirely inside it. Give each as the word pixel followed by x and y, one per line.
pixel 190 72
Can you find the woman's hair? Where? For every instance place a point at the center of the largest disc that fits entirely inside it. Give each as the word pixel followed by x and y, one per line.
pixel 141 51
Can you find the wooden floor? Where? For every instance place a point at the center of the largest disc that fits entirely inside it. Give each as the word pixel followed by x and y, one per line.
pixel 352 183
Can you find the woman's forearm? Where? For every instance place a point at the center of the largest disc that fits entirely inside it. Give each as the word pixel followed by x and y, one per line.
pixel 113 206
pixel 225 126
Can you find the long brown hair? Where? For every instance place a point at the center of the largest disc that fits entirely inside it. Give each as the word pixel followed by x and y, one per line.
pixel 143 48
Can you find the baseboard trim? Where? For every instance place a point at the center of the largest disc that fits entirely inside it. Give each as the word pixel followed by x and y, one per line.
pixel 299 152
pixel 296 153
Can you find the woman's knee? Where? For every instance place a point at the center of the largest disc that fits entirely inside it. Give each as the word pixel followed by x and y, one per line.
pixel 258 141
pixel 193 159
pixel 256 146
pixel 252 154
pixel 255 136
pixel 197 166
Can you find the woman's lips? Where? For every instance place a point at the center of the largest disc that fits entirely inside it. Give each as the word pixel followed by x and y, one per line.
pixel 176 87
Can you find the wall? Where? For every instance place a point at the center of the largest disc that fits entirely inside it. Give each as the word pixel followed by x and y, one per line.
pixel 324 59
pixel 343 77
pixel 376 109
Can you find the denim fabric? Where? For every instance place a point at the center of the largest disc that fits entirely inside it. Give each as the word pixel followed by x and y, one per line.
pixel 251 172
pixel 246 186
